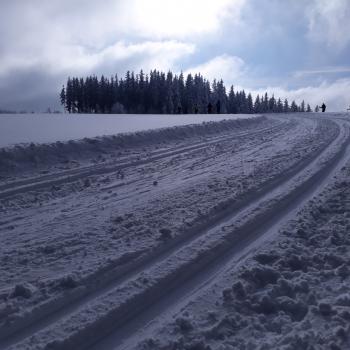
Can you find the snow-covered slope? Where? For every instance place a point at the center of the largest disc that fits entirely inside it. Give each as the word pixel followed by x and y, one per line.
pixel 146 227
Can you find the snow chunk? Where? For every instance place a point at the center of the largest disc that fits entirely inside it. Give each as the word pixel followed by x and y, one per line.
pixel 68 281
pixel 325 308
pixel 261 275
pixel 343 300
pixel 165 233
pixel 184 324
pixel 25 290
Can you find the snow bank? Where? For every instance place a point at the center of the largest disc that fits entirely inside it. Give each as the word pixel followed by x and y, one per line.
pixel 35 155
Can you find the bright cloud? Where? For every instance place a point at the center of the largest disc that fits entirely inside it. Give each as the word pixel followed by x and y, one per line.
pixel 228 68
pixel 178 18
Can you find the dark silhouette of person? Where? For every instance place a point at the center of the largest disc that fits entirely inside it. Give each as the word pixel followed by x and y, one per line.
pixel 323 107
pixel 218 107
pixel 210 108
pixel 195 109
pixel 179 110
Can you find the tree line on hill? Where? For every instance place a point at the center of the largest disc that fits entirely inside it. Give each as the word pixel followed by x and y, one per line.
pixel 165 93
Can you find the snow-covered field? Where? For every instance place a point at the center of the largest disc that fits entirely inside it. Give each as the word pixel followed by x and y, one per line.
pixel 223 235
pixel 46 128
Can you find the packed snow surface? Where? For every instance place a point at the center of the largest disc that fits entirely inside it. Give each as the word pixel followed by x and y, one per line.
pixel 222 235
pixel 45 128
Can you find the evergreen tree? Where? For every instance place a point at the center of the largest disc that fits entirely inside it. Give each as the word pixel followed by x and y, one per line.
pixel 221 96
pixel 63 97
pixel 249 104
pixel 189 101
pixel 272 104
pixel 279 106
pixel 294 107
pixel 232 106
pixel 69 96
pixel 265 103
pixel 257 104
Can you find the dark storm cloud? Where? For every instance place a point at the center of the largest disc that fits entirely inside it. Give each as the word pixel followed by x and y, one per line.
pixel 29 89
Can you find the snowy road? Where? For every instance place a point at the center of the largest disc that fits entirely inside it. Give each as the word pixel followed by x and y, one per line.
pixel 115 234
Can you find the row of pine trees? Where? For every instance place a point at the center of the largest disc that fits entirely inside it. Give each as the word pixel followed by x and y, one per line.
pixel 165 93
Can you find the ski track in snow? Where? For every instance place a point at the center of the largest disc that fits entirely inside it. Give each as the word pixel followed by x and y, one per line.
pixel 106 244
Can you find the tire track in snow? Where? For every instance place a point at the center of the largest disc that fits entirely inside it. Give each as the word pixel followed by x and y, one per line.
pixel 184 243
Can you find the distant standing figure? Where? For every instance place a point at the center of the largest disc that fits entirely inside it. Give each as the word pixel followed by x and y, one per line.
pixel 179 110
pixel 210 108
pixel 195 110
pixel 218 107
pixel 323 107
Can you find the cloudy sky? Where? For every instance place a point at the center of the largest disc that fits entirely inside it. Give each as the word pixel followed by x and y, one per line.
pixel 296 49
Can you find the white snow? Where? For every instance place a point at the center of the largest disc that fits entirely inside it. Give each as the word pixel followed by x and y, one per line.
pixel 192 237
pixel 46 128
